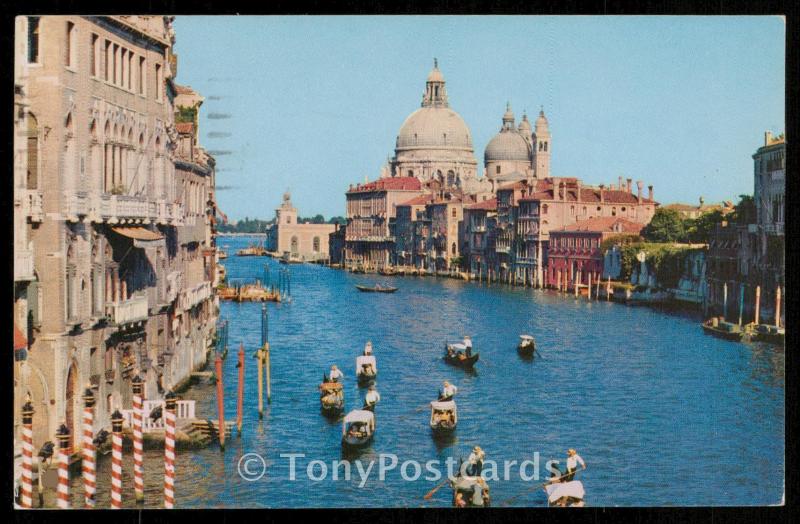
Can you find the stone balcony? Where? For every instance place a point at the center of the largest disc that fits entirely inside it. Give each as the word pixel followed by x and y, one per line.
pixel 502 249
pixel 774 229
pixel 31 202
pixel 23 265
pixel 128 311
pixel 116 209
pixel 195 295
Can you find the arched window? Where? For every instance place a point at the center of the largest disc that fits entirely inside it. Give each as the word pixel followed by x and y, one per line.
pixel 572 210
pixel 294 245
pixel 545 146
pixel 454 212
pixel 72 44
pixel 316 244
pixel 451 178
pixel 613 211
pixel 453 248
pixel 497 169
pixel 410 172
pixel 544 209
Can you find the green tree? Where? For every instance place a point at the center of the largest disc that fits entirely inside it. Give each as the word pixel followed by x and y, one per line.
pixel 698 230
pixel 338 220
pixel 667 225
pixel 745 211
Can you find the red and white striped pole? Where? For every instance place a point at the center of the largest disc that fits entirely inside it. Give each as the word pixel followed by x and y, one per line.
pixel 138 463
pixel 169 450
pixel 62 494
pixel 26 489
pixel 116 460
pixel 88 462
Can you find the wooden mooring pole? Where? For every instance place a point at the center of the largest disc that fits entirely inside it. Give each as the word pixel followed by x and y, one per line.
pixel 240 391
pixel 220 401
pixel 756 319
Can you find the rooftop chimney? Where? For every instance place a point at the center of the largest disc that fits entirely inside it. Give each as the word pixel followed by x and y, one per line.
pixel 650 192
pixel 619 179
pixel 630 185
pixel 767 137
pixel 602 190
pixel 639 186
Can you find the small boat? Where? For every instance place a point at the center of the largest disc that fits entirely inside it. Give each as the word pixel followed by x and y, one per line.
pixel 527 345
pixel 565 494
pixel 719 328
pixel 253 250
pixel 331 398
pixel 222 254
pixel 366 369
pixel 358 269
pixel 470 492
pixel 358 428
pixel 377 288
pixel 444 417
pixel 287 258
pixel 767 333
pixel 387 270
pixel 455 354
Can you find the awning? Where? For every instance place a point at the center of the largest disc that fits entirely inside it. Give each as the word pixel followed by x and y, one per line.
pixel 141 237
pixel 20 342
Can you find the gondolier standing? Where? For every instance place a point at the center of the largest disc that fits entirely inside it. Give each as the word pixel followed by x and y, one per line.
pixel 475 462
pixel 448 392
pixel 372 398
pixel 335 374
pixel 467 346
pixel 573 459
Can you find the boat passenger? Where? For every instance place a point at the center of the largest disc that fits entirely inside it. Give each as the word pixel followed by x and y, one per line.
pixel 475 461
pixel 448 391
pixel 372 398
pixel 573 459
pixel 450 351
pixel 368 348
pixel 477 495
pixel 468 346
pixel 460 502
pixel 335 374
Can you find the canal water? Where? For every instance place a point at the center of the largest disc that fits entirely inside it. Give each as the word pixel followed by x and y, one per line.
pixel 662 414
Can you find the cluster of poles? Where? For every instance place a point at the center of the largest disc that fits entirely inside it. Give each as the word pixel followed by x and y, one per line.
pixel 757 304
pixel 89 449
pixel 283 284
pixel 89 453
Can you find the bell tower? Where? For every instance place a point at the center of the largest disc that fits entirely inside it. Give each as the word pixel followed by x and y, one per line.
pixel 286 214
pixel 541 147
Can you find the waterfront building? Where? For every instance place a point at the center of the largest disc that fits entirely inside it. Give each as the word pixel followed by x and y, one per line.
pixel 303 241
pixel 370 208
pixel 100 219
pixel 410 249
pixel 480 221
pixel 574 252
pixel 751 253
pixel 690 211
pixel 336 244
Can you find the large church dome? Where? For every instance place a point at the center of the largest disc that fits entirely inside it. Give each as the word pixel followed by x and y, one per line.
pixel 434 128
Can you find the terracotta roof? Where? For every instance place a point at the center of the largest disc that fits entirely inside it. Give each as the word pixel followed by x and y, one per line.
pixel 605 224
pixel 184 90
pixel 20 342
pixel 417 201
pixel 184 127
pixel 406 183
pixel 488 205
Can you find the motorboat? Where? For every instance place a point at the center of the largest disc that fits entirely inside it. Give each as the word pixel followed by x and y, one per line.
pixel 718 327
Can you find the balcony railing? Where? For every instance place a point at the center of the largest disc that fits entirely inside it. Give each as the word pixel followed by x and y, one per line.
pixel 195 295
pixel 109 208
pixel 31 202
pixel 23 265
pixel 502 249
pixel 184 409
pixel 774 229
pixel 128 311
pixel 76 205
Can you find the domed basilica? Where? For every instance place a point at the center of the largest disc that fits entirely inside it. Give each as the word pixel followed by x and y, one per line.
pixel 434 144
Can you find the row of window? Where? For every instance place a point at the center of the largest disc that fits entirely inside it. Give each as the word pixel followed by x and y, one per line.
pixel 583 242
pixel 109 60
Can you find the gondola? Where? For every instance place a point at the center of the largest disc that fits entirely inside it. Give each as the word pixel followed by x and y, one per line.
pixel 331 398
pixel 470 492
pixel 565 494
pixel 358 428
pixel 444 417
pixel 721 329
pixel 377 288
pixel 458 357
pixel 526 346
pixel 768 334
pixel 366 369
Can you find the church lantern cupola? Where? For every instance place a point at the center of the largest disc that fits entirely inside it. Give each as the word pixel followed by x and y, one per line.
pixel 435 92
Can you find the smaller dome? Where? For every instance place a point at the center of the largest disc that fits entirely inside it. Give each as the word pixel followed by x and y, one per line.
pixel 507 145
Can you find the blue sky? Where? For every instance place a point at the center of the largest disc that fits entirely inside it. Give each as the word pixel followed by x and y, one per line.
pixel 315 103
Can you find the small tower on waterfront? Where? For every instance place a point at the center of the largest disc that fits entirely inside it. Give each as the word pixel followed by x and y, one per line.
pixel 541 147
pixel 287 213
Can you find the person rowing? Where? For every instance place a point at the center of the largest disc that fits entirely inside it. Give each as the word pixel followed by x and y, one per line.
pixel 573 459
pixel 371 399
pixel 475 462
pixel 335 374
pixel 467 346
pixel 448 392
